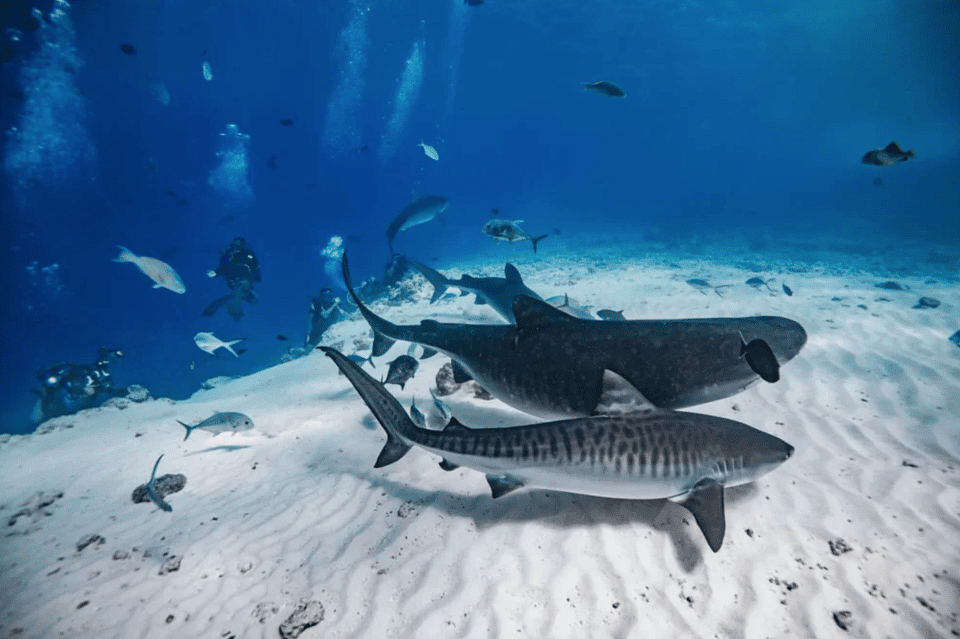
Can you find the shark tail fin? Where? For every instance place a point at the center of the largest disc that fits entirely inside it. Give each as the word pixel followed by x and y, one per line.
pixel 381 341
pixel 537 239
pixel 190 429
pixel 438 280
pixel 126 255
pixel 384 406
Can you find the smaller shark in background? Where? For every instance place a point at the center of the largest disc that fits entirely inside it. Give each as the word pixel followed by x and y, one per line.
pixel 421 210
pixel 890 154
pixel 632 450
pixel 498 292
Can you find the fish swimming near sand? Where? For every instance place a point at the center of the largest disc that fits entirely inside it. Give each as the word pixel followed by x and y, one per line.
pixel 570 306
pixel 890 154
pixel 509 231
pixel 761 359
pixel 402 369
pixel 606 88
pixel 703 286
pixel 161 273
pixel 633 451
pixel 611 316
pixel 788 290
pixel 551 364
pixel 152 493
pixel 498 292
pixel 209 343
pixel 420 211
pixel 220 423
pixel 429 151
pixel 757 282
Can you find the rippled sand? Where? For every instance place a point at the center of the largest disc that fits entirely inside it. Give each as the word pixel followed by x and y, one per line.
pixel 860 528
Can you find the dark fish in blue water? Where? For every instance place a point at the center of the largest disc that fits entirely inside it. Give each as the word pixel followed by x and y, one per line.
pixel 605 88
pixel 890 154
pixel 286 122
pixel 128 48
pixel 787 290
pixel 401 370
pixel 282 338
pixel 473 3
pixel 761 359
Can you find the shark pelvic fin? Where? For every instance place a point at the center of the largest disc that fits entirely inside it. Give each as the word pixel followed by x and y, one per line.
pixel 705 503
pixel 619 397
pixel 448 465
pixel 503 484
pixel 381 344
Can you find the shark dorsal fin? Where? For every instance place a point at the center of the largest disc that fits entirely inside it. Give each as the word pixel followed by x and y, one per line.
pixel 619 397
pixel 460 374
pixel 532 312
pixel 512 274
pixel 453 426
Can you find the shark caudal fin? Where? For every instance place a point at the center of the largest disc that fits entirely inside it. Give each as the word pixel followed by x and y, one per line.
pixel 380 326
pixel 439 282
pixel 384 406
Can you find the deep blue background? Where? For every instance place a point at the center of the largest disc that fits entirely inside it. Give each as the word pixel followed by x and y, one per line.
pixel 737 113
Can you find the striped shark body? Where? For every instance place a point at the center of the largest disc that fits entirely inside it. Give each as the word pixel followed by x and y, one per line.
pixel 497 292
pixel 635 451
pixel 551 364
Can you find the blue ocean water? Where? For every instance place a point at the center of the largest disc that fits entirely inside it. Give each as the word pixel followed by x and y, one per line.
pixel 738 116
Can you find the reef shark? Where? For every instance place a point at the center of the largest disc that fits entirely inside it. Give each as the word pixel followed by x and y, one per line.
pixel 552 365
pixel 636 451
pixel 498 292
pixel 421 210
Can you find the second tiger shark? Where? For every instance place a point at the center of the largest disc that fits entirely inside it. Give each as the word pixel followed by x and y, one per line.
pixel 552 365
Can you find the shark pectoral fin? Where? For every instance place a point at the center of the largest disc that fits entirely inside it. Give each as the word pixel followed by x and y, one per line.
pixel 392 451
pixel 503 484
pixel 460 375
pixel 705 503
pixel 428 352
pixel 381 344
pixel 619 397
pixel 448 465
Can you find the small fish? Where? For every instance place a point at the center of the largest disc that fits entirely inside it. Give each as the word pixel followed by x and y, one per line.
pixel 473 3
pixel 209 343
pixel 226 219
pixel 757 282
pixel 787 290
pixel 128 48
pixel 429 151
pixel 890 154
pixel 442 408
pixel 416 415
pixel 605 88
pixel 207 71
pixel 272 163
pixel 611 316
pixel 282 338
pixel 286 122
pixel 761 359
pixel 569 306
pixel 495 212
pixel 152 494
pixel 509 231
pixel 401 370
pixel 221 423
pixel 161 273
pixel 703 285
pixel 192 365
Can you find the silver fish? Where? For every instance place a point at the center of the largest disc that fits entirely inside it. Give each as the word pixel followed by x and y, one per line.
pixel 221 423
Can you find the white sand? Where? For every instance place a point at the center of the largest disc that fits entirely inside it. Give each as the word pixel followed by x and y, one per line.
pixel 295 511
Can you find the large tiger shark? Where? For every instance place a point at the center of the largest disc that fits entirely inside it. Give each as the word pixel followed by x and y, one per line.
pixel 633 451
pixel 552 365
pixel 498 292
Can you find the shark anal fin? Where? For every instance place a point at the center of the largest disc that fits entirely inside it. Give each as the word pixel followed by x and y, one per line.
pixel 503 484
pixel 619 397
pixel 448 465
pixel 392 451
pixel 453 426
pixel 460 375
pixel 705 503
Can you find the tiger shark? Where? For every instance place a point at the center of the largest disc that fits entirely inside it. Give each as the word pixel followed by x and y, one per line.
pixel 420 211
pixel 634 451
pixel 498 292
pixel 552 365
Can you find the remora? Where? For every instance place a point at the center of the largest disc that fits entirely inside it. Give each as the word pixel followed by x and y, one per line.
pixel 551 364
pixel 640 452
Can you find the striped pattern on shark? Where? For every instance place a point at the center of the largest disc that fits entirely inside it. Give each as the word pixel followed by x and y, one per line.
pixel 635 451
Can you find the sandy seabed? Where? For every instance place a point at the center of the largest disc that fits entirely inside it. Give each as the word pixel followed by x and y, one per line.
pixel 857 535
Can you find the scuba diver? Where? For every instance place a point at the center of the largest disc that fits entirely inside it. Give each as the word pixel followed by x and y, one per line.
pixel 68 388
pixel 324 313
pixel 240 268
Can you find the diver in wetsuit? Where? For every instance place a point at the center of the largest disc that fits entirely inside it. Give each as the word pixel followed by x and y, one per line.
pixel 240 268
pixel 68 388
pixel 324 312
